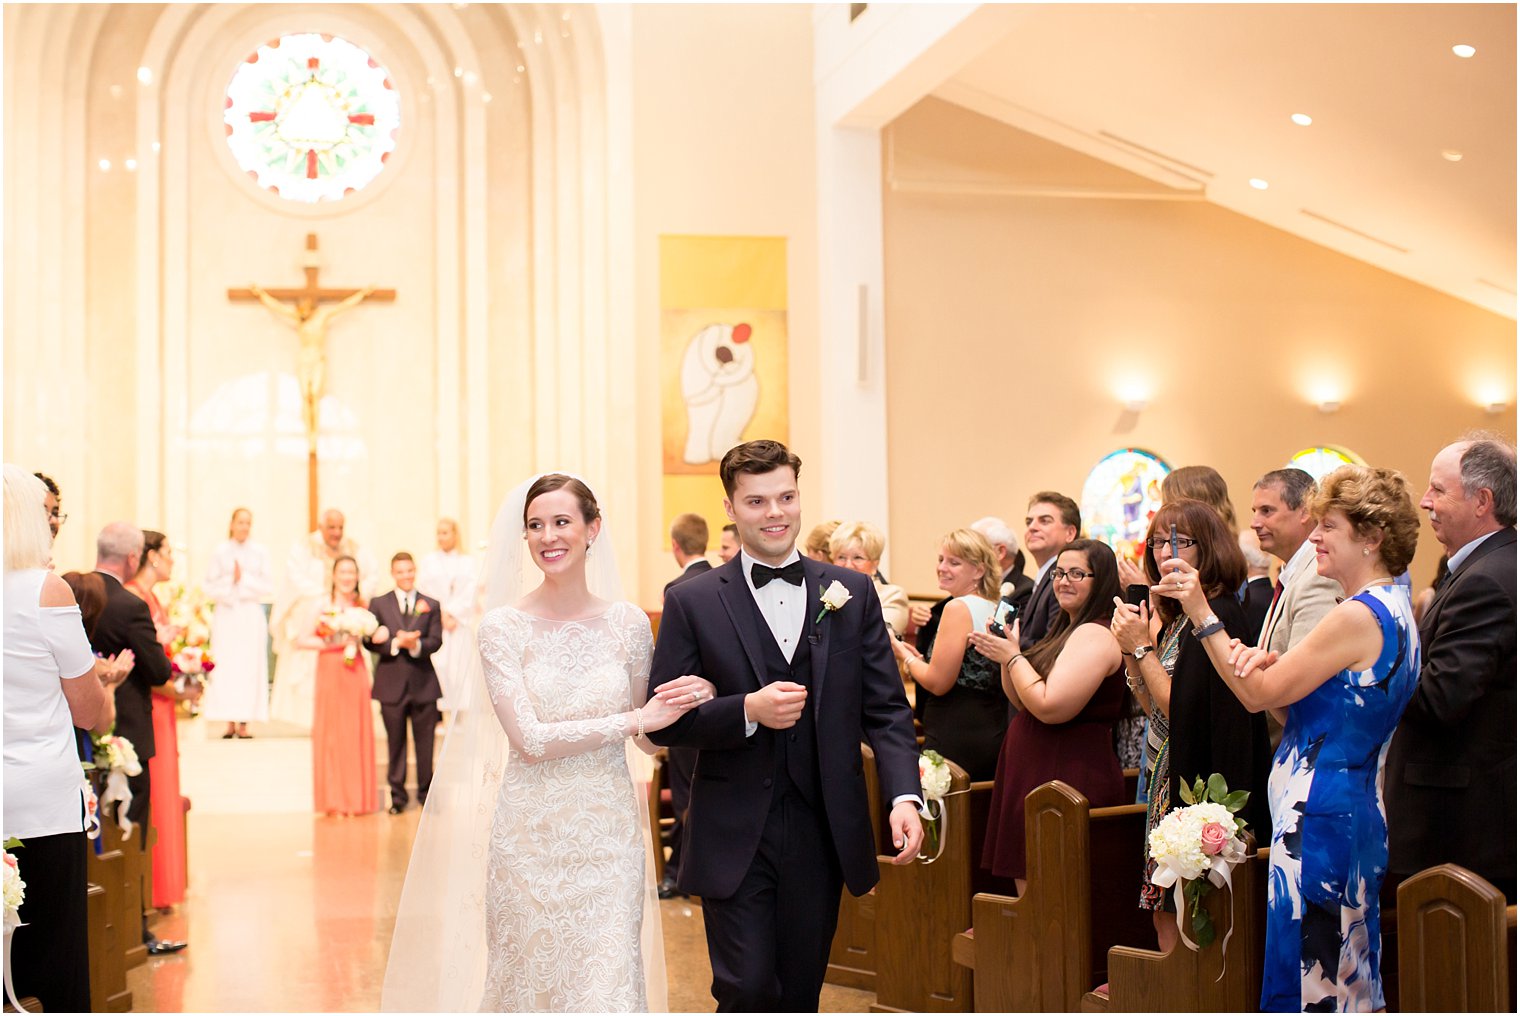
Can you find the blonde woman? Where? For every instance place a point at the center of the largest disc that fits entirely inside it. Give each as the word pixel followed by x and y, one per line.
pixel 963 710
pixel 858 546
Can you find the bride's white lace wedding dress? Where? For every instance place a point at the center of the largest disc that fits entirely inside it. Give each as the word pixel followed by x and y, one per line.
pixel 564 890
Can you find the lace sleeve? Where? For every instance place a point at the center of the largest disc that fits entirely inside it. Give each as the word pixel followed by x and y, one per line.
pixel 502 639
pixel 632 627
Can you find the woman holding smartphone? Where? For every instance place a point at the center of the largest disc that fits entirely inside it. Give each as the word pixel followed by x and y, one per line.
pixel 963 710
pixel 1197 727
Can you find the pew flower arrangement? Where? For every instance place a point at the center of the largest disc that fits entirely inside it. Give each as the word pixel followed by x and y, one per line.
pixel 118 757
pixel 15 895
pixel 1195 848
pixel 934 779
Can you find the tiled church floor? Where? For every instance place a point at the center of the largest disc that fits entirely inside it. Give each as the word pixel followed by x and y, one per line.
pixel 288 911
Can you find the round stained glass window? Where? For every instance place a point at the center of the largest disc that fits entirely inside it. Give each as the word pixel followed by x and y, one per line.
pixel 312 117
pixel 1121 494
pixel 1319 462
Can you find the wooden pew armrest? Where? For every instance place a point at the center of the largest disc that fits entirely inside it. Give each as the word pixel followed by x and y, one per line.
pixel 963 950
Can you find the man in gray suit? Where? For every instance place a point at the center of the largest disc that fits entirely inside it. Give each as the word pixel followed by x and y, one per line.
pixel 1281 520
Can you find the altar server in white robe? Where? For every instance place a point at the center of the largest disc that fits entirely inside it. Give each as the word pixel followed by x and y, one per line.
pixel 238 583
pixel 448 575
pixel 307 581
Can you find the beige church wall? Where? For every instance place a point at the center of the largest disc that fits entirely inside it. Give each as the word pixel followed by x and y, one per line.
pixel 1016 327
pixel 722 104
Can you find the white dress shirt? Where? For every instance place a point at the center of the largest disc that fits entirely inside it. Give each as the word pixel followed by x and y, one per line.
pixel 783 605
pixel 406 602
pixel 1302 557
pixel 1455 561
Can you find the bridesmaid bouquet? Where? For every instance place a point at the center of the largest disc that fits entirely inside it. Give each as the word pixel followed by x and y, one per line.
pixel 357 623
pixel 1196 847
pixel 118 757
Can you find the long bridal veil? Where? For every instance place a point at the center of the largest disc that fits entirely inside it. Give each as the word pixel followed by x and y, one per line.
pixel 437 960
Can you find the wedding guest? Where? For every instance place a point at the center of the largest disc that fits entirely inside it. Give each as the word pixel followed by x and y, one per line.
pixel 817 545
pixel 50 688
pixel 858 546
pixel 343 724
pixel 1256 595
pixel 169 874
pixel 728 543
pixel 963 710
pixel 56 518
pixel 1451 767
pixel 89 591
pixel 1054 521
pixel 688 544
pixel 1069 690
pixel 1282 518
pixel 1016 587
pixel 448 575
pixel 1201 483
pixel 238 583
pixel 1197 728
pixel 126 623
pixel 1342 689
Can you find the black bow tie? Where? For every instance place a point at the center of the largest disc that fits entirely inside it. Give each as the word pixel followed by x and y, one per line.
pixel 760 574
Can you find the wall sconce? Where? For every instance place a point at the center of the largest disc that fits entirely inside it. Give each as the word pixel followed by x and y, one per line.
pixel 1495 408
pixel 1328 406
pixel 1135 405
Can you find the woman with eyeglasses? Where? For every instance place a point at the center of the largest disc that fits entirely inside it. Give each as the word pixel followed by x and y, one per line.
pixel 1197 727
pixel 1069 690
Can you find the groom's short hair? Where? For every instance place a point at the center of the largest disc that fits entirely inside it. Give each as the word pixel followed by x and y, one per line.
pixel 755 457
pixel 401 555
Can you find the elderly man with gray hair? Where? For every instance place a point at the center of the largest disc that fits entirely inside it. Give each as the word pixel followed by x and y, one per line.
pixel 125 623
pixel 1010 559
pixel 1450 777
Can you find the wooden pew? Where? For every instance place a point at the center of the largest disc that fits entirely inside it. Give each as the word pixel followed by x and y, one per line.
pixel 1144 980
pixel 1455 943
pixel 920 908
pixel 852 956
pixel 129 904
pixel 109 938
pixel 1043 950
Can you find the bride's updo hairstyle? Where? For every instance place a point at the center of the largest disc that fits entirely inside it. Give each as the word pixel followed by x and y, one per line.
pixel 550 482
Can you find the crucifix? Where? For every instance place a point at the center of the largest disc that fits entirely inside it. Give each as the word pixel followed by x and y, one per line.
pixel 310 314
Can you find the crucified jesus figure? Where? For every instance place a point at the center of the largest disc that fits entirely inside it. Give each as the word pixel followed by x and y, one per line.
pixel 310 320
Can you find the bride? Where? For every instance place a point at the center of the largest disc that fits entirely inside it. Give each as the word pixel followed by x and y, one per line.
pixel 531 881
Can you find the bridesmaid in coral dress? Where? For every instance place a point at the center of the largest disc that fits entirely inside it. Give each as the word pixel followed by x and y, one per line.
pixel 344 767
pixel 169 862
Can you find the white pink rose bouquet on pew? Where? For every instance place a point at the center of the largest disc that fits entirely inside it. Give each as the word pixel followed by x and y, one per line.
pixel 15 895
pixel 1196 847
pixel 934 780
pixel 117 756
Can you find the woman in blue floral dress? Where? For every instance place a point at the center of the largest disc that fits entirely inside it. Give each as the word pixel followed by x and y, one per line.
pixel 1340 693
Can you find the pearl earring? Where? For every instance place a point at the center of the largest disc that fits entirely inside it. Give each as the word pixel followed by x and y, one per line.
pixel 1365 551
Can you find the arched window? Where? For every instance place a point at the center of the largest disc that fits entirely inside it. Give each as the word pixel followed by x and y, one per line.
pixel 312 117
pixel 1121 494
pixel 1322 460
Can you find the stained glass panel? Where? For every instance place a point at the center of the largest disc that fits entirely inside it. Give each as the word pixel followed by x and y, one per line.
pixel 1121 494
pixel 1323 460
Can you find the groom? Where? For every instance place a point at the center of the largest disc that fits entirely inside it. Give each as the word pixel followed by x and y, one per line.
pixel 778 816
pixel 406 686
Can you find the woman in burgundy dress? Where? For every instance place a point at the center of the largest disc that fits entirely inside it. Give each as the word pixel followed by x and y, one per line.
pixel 1069 690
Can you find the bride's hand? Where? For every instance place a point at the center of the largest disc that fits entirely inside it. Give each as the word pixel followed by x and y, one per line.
pixel 659 714
pixel 687 690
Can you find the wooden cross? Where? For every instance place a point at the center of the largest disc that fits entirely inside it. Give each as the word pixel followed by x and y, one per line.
pixel 312 311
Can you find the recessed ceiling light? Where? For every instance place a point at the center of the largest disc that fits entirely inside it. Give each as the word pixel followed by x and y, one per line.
pixel 1258 183
pixel 1302 119
pixel 1451 155
pixel 1463 50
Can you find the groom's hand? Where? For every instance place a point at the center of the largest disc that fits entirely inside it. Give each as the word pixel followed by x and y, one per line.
pixel 907 831
pixel 778 705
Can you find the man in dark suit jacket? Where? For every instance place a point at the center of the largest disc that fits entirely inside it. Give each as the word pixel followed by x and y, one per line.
pixel 1449 785
pixel 125 623
pixel 1054 520
pixel 779 817
pixel 688 545
pixel 406 686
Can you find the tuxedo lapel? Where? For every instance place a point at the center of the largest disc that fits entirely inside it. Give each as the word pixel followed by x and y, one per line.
pixel 817 630
pixel 743 613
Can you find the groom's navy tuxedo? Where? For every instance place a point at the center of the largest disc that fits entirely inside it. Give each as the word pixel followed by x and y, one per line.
pixel 779 818
pixel 407 688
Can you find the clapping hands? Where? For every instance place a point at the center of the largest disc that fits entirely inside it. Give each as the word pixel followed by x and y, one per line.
pixel 997 649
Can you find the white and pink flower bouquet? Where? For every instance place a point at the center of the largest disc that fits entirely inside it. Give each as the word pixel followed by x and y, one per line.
pixel 351 623
pixel 1197 846
pixel 15 895
pixel 118 757
pixel 934 781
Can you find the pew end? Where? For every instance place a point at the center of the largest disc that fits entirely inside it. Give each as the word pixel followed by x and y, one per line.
pixel 1455 943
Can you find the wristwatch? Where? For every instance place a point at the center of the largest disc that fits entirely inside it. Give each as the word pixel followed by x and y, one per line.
pixel 1210 625
pixel 1141 652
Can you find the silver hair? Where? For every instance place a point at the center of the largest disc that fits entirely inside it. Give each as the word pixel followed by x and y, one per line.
pixel 118 541
pixel 1488 463
pixel 1255 556
pixel 997 531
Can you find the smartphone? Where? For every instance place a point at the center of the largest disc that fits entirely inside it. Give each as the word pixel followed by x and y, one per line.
pixel 1003 615
pixel 1136 594
pixel 1174 541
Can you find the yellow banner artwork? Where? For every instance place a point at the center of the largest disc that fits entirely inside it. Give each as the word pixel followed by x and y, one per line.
pixel 723 360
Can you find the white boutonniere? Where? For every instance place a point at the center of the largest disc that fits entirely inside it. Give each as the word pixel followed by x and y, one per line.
pixel 1005 590
pixel 832 598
